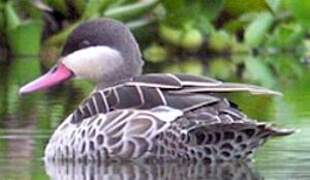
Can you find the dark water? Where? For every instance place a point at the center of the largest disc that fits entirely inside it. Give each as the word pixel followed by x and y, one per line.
pixel 27 122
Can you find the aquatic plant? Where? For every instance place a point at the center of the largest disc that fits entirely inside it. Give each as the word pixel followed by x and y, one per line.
pixel 177 36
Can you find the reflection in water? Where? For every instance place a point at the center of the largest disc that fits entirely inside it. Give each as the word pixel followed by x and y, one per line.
pixel 140 171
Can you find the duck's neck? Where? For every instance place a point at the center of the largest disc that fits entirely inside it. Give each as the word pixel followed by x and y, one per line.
pixel 122 73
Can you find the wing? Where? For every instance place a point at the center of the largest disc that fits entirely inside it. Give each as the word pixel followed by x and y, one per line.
pixel 195 84
pixel 184 92
pixel 120 134
pixel 130 134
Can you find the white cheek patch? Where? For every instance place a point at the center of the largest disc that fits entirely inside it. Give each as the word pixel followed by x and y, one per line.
pixel 93 62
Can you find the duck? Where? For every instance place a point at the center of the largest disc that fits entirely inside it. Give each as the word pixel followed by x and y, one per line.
pixel 135 116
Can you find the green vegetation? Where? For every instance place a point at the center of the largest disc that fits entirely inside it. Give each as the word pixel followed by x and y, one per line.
pixel 176 36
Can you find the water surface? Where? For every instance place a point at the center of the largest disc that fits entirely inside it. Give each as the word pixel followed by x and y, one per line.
pixel 27 122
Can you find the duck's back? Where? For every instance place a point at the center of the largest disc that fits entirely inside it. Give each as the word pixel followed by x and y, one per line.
pixel 161 116
pixel 183 92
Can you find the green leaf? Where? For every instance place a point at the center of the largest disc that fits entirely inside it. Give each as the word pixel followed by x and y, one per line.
pixel 287 36
pixel 177 12
pixel 24 70
pixel 79 6
pixel 173 6
pixel 205 26
pixel 59 38
pixel 257 70
pixel 238 7
pixel 234 26
pixel 197 12
pixel 140 23
pixel 300 9
pixel 131 11
pixel 91 9
pixel 211 8
pixel 95 7
pixel 25 39
pixel 220 41
pixel 12 19
pixel 248 17
pixel 256 31
pixel 274 5
pixel 181 13
pixel 29 9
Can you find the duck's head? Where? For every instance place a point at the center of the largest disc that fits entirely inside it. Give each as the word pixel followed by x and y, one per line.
pixel 103 51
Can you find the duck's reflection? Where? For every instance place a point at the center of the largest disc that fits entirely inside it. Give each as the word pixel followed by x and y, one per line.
pixel 150 171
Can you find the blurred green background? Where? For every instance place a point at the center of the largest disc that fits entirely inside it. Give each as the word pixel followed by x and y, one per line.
pixel 263 42
pixel 197 37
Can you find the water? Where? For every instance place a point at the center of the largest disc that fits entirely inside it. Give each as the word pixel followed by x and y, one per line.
pixel 27 122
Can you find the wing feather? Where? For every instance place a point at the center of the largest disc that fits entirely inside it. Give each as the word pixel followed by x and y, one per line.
pixel 184 92
pixel 128 133
pixel 227 88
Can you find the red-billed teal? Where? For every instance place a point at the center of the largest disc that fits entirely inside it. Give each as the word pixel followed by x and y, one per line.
pixel 152 116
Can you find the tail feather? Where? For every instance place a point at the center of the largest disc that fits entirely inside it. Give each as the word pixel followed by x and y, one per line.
pixel 237 140
pixel 201 135
pixel 252 89
pixel 278 132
